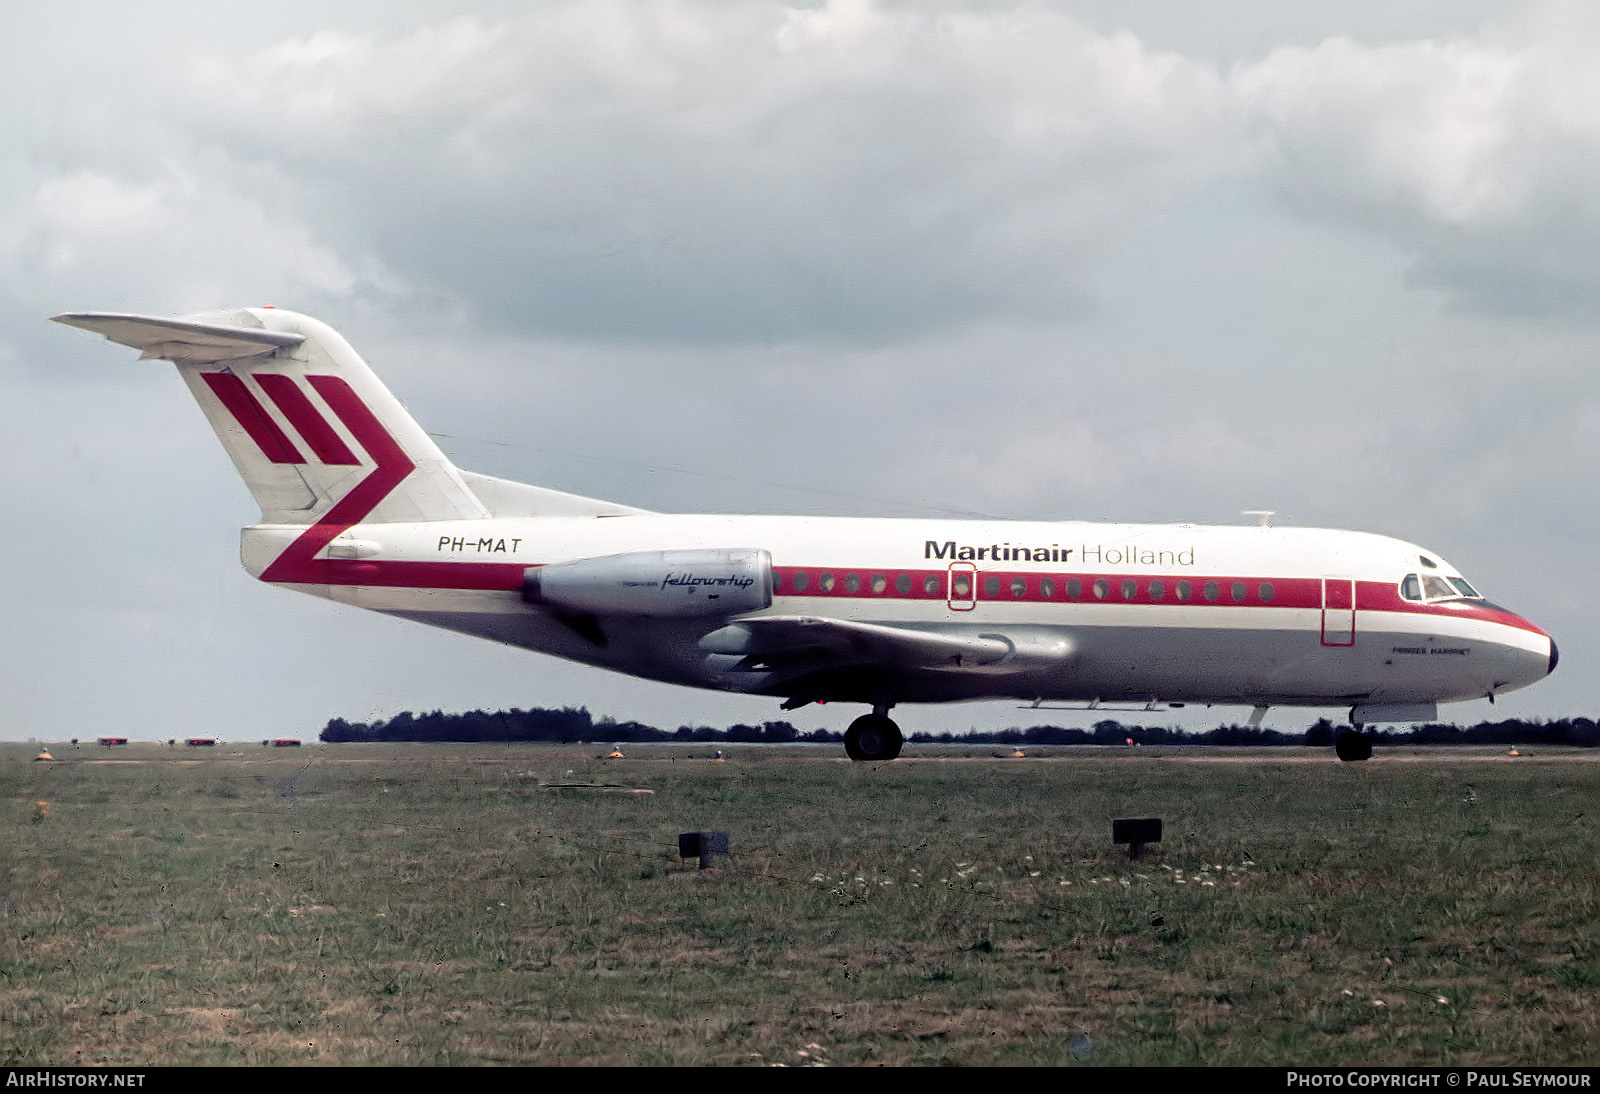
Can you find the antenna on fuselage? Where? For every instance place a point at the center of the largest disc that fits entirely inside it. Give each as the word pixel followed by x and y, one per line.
pixel 1263 516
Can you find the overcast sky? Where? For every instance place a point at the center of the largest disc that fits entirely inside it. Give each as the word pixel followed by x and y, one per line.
pixel 1149 261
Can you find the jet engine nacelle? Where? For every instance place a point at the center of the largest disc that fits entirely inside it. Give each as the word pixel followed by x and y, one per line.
pixel 664 584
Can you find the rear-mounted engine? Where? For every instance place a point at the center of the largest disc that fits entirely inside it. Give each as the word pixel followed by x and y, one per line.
pixel 664 584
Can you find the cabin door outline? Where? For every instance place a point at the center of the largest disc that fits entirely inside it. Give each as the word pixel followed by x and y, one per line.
pixel 1339 611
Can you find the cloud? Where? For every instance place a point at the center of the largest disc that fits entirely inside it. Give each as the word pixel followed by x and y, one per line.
pixel 1479 157
pixel 704 172
pixel 691 170
pixel 173 241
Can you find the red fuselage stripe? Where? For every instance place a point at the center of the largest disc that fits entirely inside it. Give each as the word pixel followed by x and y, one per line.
pixel 992 586
pixel 484 576
pixel 1300 593
pixel 311 425
pixel 252 417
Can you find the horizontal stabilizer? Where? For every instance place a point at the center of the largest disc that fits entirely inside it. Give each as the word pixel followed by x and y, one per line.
pixel 315 435
pixel 182 339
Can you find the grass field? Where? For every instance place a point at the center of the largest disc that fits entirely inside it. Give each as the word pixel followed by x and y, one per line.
pixel 436 904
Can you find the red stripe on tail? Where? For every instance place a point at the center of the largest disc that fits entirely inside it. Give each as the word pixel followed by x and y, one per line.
pixel 311 425
pixel 253 417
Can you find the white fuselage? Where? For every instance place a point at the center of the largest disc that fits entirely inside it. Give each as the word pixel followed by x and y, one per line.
pixel 1171 613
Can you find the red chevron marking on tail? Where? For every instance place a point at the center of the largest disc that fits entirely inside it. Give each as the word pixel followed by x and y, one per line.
pixel 298 562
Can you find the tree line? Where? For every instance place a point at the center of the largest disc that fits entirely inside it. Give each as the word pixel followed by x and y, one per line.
pixel 575 724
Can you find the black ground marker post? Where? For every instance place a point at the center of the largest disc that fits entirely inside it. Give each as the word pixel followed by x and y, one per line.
pixel 1136 833
pixel 702 845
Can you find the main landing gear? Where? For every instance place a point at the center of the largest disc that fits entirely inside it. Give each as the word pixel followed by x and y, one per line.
pixel 873 737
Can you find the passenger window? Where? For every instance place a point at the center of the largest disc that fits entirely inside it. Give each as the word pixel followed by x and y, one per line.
pixel 991 586
pixel 1101 589
pixel 1157 590
pixel 1074 589
pixel 961 587
pixel 902 584
pixel 852 583
pixel 825 582
pixel 931 586
pixel 1267 592
pixel 1185 590
pixel 1130 589
pixel 1019 587
pixel 1047 588
pixel 879 583
pixel 1239 592
pixel 1411 588
pixel 1211 590
pixel 801 581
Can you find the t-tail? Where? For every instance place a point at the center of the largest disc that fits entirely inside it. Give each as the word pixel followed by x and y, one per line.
pixel 316 436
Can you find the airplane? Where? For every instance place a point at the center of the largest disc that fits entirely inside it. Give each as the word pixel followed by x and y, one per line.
pixel 359 505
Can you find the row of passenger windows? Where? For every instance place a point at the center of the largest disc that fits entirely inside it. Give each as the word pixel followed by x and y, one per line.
pixel 1047 588
pixel 1126 589
pixel 827 581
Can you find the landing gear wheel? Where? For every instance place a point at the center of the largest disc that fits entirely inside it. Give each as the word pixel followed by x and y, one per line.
pixel 873 738
pixel 1351 747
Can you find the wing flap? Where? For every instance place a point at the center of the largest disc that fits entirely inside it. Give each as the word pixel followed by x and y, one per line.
pixel 788 638
pixel 181 339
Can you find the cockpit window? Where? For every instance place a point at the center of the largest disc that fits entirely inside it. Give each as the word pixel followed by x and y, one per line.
pixel 1437 588
pixel 1433 587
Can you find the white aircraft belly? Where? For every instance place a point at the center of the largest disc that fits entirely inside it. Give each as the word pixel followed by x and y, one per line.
pixel 1164 661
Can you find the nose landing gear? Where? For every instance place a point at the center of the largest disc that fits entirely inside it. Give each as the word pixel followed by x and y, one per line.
pixel 1352 746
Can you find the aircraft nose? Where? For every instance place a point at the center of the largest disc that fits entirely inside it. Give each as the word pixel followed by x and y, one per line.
pixel 1531 653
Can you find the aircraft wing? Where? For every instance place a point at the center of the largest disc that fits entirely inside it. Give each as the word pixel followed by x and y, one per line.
pixel 793 642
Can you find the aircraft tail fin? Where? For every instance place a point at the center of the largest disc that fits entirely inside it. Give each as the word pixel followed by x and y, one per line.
pixel 314 433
